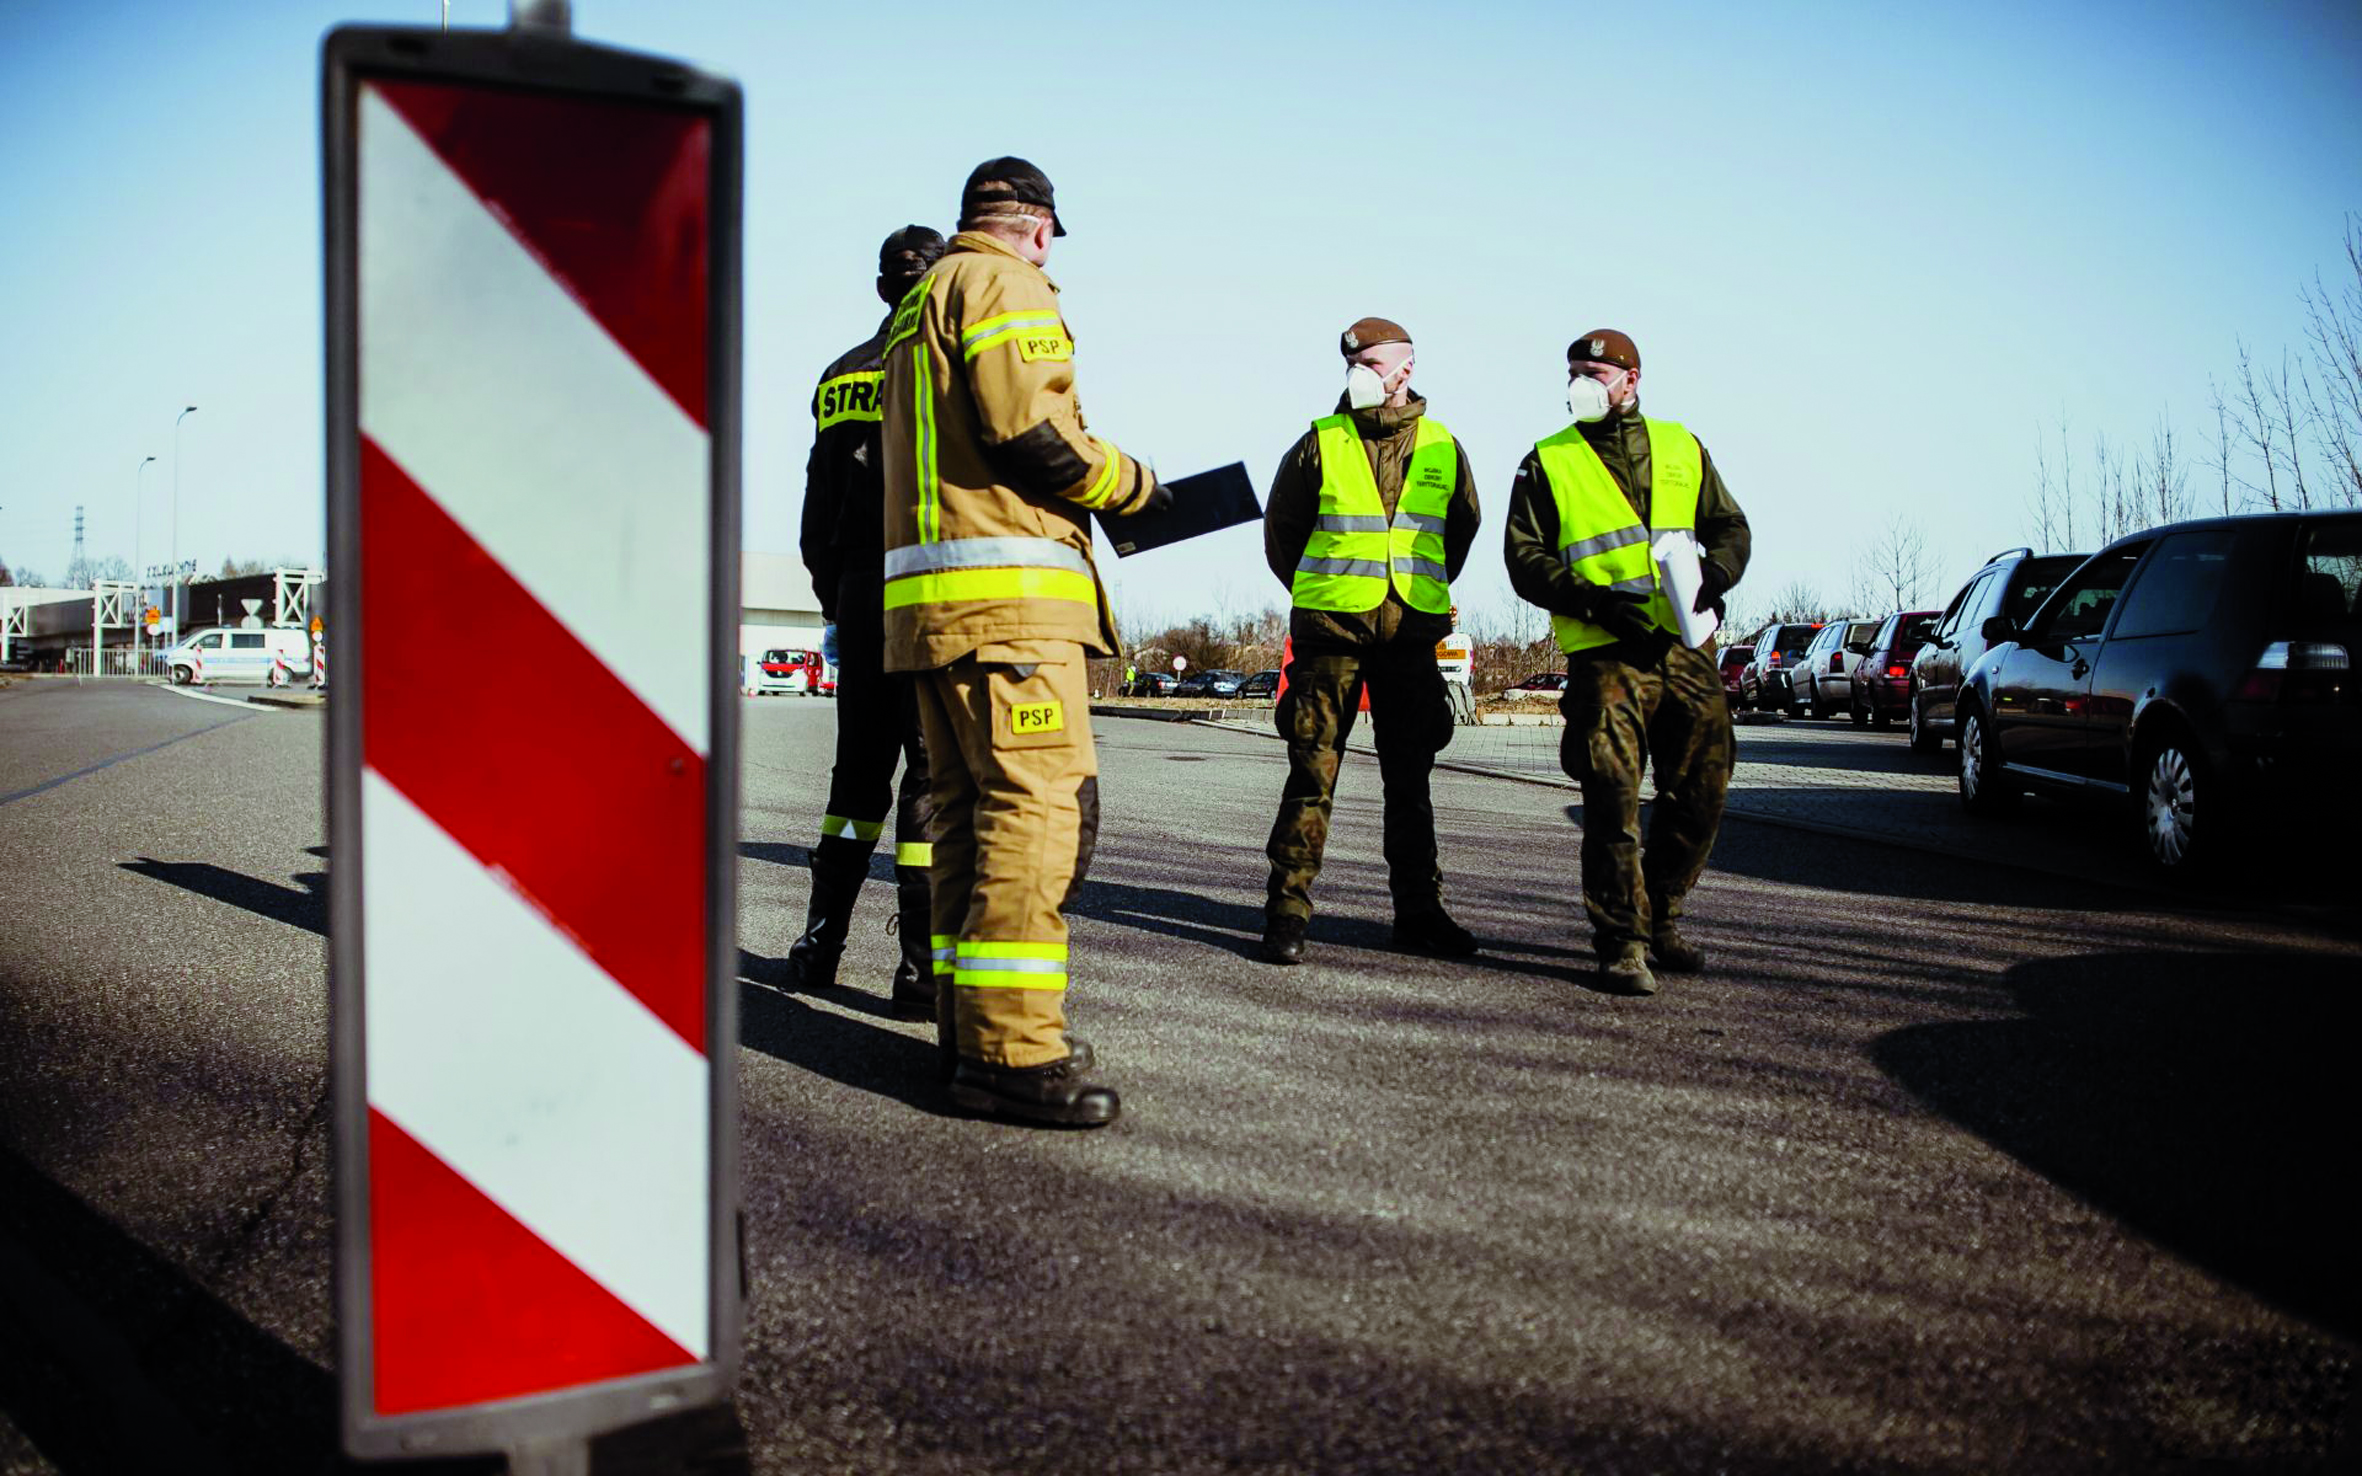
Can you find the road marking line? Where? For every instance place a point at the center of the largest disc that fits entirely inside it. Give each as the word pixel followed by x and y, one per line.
pixel 238 702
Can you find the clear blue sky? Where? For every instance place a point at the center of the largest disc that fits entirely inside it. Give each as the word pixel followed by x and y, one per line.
pixel 1867 251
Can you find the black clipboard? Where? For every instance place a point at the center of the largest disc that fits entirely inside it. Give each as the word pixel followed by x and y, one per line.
pixel 1205 503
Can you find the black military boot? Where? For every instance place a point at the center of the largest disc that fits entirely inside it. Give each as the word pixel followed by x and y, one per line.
pixel 1430 929
pixel 914 977
pixel 1283 939
pixel 1055 1094
pixel 837 872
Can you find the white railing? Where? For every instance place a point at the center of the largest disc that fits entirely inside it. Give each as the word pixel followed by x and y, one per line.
pixel 116 661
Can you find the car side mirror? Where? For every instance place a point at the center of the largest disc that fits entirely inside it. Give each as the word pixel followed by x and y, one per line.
pixel 1998 628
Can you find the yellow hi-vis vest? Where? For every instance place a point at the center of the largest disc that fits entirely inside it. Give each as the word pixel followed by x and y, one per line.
pixel 1354 551
pixel 1601 538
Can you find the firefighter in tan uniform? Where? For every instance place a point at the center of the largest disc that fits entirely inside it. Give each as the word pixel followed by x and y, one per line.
pixel 992 600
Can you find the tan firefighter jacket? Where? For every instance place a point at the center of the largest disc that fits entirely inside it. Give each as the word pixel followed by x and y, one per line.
pixel 990 474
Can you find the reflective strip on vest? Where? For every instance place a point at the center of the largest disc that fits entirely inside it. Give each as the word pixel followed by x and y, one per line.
pixel 1355 552
pixel 940 950
pixel 1605 541
pixel 1012 568
pixel 997 330
pixel 914 853
pixel 979 964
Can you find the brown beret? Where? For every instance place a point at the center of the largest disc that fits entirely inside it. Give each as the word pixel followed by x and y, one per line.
pixel 1369 333
pixel 1604 346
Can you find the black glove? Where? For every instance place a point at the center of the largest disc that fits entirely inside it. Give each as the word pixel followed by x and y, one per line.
pixel 1624 615
pixel 1159 496
pixel 1712 585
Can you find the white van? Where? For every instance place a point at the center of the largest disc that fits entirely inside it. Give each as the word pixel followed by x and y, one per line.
pixel 221 654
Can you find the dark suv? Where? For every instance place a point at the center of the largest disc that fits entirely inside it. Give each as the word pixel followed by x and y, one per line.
pixel 1768 680
pixel 2011 584
pixel 2205 670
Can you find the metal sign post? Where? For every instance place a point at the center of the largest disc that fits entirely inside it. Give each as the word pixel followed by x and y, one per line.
pixel 533 428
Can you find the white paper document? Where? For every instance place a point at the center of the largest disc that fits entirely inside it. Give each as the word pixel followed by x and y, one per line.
pixel 1677 569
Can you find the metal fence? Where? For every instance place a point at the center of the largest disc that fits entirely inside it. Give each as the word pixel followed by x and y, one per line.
pixel 115 661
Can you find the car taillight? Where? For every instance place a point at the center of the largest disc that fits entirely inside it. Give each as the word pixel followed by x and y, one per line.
pixel 1837 663
pixel 2298 671
pixel 1898 672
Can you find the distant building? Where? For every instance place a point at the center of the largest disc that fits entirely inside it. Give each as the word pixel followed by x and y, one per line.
pixel 776 605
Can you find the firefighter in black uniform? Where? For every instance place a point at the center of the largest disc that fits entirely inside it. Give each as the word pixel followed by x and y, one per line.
pixel 844 546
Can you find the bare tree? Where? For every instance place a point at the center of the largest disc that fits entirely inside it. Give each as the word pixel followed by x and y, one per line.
pixel 2222 440
pixel 1797 600
pixel 2165 481
pixel 1891 569
pixel 2045 508
pixel 2333 326
pixel 2066 483
pixel 2268 416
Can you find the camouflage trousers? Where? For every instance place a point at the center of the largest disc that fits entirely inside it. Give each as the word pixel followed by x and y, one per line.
pixel 1413 720
pixel 1620 718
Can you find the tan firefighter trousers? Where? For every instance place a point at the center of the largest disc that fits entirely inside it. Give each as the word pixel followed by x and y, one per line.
pixel 1016 794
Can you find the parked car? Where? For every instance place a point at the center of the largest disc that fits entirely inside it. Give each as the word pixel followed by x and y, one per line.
pixel 1152 684
pixel 1882 683
pixel 783 669
pixel 2203 671
pixel 2012 583
pixel 1766 680
pixel 1540 684
pixel 1261 684
pixel 1824 679
pixel 1732 661
pixel 1211 682
pixel 219 654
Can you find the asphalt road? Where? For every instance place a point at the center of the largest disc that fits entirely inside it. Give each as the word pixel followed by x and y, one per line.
pixel 1942 1166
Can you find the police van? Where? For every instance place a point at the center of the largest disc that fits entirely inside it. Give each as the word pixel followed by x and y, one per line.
pixel 223 654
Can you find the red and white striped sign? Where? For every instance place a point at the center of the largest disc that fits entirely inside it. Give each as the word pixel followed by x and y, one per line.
pixel 320 661
pixel 535 477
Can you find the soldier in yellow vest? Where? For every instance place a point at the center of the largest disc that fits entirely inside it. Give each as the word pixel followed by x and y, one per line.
pixel 992 598
pixel 1370 517
pixel 1586 506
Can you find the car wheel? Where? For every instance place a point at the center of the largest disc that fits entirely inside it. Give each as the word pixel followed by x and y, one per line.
pixel 2170 819
pixel 1924 737
pixel 1983 789
pixel 182 676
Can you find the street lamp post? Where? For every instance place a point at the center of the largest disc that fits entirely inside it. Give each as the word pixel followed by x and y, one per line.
pixel 175 571
pixel 139 504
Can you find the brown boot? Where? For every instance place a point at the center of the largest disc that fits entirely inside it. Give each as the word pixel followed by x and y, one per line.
pixel 1674 953
pixel 1625 971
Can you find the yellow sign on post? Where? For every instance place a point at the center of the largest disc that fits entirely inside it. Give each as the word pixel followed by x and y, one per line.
pixel 317 627
pixel 153 616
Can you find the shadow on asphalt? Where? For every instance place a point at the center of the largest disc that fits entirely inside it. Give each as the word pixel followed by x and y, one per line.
pixel 872 1058
pixel 304 905
pixel 115 1361
pixel 2206 1100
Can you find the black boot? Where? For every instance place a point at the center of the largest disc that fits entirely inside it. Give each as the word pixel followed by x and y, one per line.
pixel 914 977
pixel 838 867
pixel 1055 1094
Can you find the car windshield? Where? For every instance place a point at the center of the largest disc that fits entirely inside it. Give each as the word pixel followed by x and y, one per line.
pixel 2329 590
pixel 2033 581
pixel 1793 639
pixel 1912 634
pixel 1859 634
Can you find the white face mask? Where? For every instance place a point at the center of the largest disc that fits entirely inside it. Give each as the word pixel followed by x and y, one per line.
pixel 1586 398
pixel 1367 389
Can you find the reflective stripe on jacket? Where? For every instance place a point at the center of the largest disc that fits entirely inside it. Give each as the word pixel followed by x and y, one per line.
pixel 1355 551
pixel 990 473
pixel 1603 541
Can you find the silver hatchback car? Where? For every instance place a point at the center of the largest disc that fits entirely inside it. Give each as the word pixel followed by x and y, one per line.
pixel 1824 679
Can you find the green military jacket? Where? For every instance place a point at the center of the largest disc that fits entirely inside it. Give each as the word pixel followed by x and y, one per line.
pixel 1388 435
pixel 1531 542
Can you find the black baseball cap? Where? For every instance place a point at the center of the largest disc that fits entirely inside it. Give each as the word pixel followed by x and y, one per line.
pixel 909 252
pixel 1009 180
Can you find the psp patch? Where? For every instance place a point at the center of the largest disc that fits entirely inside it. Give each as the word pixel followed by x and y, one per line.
pixel 1037 717
pixel 1036 347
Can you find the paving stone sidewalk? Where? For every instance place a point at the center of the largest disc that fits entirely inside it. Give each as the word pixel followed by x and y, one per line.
pixel 1839 780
